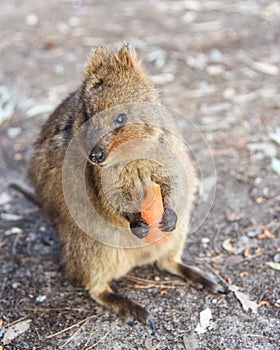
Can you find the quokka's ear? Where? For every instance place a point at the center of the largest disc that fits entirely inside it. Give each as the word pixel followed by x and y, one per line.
pixel 95 61
pixel 127 55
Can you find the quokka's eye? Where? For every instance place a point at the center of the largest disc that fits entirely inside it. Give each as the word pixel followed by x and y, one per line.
pixel 120 120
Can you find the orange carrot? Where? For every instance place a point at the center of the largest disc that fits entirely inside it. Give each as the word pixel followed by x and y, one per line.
pixel 152 211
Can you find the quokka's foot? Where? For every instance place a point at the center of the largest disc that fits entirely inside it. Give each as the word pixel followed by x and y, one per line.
pixel 125 308
pixel 200 279
pixel 192 274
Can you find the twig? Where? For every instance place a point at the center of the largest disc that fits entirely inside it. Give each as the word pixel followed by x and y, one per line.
pixel 253 335
pixel 16 240
pixel 3 286
pixel 144 281
pixel 89 338
pixel 17 321
pixel 138 279
pixel 101 339
pixel 54 309
pixel 73 326
pixel 141 286
pixel 37 332
pixel 158 286
pixel 74 334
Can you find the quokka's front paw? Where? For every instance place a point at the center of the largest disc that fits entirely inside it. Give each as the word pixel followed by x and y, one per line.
pixel 139 227
pixel 169 220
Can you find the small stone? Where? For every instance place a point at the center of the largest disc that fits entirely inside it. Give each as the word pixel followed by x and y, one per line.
pixel 71 57
pixel 13 132
pixel 189 17
pixel 18 156
pixel 258 180
pixel 229 93
pixel 197 62
pixel 62 28
pixel 216 108
pixel 254 233
pixel 269 149
pixel 5 198
pixel 74 21
pixel 276 258
pixel 41 298
pixel 205 240
pixel 163 78
pixel 215 70
pixel 31 19
pixel 39 109
pixel 10 217
pixel 158 57
pixel 32 236
pixel 207 26
pixel 266 191
pixel 265 68
pixel 231 216
pixel 275 137
pixel 15 285
pixel 271 11
pixel 7 104
pixel 59 69
pixel 215 55
pixel 190 342
pixel 13 231
pixel 7 207
pixel 234 259
pixel 275 165
pixel 245 98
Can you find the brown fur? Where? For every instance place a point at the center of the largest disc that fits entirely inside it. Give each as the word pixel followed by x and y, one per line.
pixel 111 79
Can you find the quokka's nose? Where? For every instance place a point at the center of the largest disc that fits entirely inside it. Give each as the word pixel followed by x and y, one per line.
pixel 97 155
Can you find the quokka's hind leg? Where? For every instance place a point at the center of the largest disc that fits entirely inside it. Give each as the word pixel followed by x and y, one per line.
pixel 123 306
pixel 191 274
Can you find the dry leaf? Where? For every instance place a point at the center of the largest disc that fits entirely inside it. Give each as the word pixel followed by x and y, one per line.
pixel 15 330
pixel 246 303
pixel 148 344
pixel 228 247
pixel 273 265
pixel 205 317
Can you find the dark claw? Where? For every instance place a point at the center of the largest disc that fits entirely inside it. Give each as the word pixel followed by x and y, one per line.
pixel 213 286
pixel 152 323
pixel 222 290
pixel 169 220
pixel 139 227
pixel 130 320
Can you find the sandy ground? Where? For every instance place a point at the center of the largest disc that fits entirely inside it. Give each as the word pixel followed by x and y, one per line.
pixel 216 62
